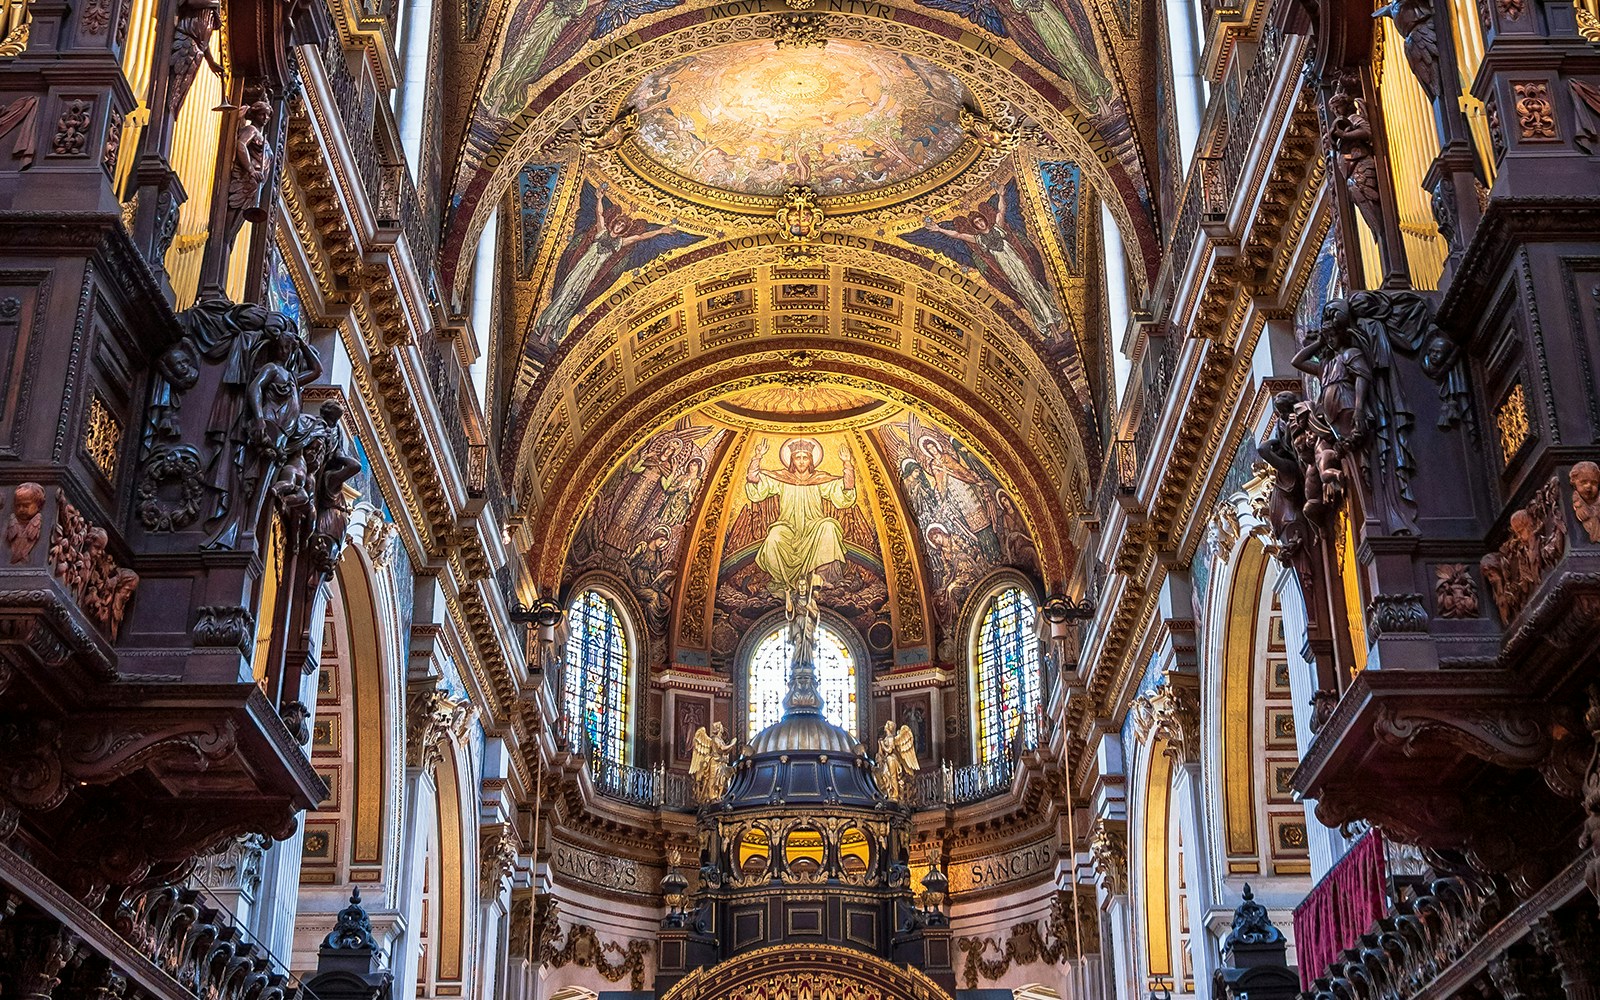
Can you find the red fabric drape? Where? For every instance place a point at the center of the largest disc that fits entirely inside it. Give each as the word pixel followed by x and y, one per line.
pixel 1341 908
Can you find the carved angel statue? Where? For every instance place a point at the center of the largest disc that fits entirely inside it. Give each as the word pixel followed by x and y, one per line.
pixel 709 768
pixel 897 761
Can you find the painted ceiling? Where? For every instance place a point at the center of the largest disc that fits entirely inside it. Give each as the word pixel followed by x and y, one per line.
pixel 690 521
pixel 754 118
pixel 938 270
pixel 744 97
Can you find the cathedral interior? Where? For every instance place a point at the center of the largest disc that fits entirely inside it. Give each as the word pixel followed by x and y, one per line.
pixel 799 499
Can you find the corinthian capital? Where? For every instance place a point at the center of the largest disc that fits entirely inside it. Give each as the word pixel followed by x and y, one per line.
pixel 432 716
pixel 1170 712
pixel 1108 846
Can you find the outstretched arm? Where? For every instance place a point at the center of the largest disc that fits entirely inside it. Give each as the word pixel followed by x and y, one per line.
pixel 946 230
pixel 1305 360
pixel 629 241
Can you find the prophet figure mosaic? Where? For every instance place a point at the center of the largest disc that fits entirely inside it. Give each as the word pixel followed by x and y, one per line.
pixel 969 524
pixel 755 119
pixel 637 523
pixel 541 35
pixel 993 239
pixel 605 243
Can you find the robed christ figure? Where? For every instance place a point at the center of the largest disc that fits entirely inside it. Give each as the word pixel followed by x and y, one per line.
pixel 803 540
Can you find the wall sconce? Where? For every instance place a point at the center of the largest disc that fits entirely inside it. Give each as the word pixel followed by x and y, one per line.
pixel 1160 988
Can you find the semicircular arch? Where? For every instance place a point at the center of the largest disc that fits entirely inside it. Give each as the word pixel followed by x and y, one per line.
pixel 572 472
pixel 825 969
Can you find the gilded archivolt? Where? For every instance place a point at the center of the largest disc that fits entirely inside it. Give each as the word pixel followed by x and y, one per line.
pixel 918 329
pixel 741 373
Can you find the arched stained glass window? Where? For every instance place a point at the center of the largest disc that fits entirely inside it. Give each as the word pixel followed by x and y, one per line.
pixel 596 688
pixel 1007 672
pixel 769 679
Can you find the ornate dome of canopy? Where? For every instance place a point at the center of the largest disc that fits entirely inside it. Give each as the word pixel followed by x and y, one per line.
pixel 752 118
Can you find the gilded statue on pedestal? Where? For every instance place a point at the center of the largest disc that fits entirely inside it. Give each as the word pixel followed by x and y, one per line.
pixel 709 768
pixel 896 763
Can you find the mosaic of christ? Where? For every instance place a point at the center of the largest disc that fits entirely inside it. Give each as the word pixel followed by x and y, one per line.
pixel 754 119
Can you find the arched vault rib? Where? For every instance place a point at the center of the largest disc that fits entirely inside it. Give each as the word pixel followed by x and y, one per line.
pixel 618 63
pixel 951 321
pixel 578 467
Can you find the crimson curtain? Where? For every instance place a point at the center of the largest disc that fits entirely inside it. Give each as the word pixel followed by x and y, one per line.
pixel 1341 908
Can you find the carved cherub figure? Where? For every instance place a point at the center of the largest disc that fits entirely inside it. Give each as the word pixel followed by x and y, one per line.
pixel 1585 478
pixel 26 521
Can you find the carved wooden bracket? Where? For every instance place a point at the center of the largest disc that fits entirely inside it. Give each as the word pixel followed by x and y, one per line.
pixel 1511 737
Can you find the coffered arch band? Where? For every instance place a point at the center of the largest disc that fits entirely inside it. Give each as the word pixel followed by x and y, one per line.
pixel 999 75
pixel 584 465
pixel 621 320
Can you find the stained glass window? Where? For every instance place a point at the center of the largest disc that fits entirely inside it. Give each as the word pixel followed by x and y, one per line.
pixel 769 679
pixel 596 688
pixel 1007 672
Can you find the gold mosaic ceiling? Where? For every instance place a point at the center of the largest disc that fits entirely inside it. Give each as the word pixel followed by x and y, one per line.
pixel 951 156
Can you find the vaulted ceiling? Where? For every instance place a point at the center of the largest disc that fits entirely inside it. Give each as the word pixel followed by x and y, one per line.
pixel 866 216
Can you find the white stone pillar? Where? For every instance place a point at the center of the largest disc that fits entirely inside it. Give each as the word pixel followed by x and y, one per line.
pixel 277 899
pixel 1190 789
pixel 1326 846
pixel 1120 948
pixel 417 831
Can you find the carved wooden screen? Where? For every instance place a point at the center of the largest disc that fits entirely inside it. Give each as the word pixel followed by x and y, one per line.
pixel 596 689
pixel 1007 672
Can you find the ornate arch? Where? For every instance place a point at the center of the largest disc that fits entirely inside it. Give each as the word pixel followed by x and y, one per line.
pixel 952 322
pixel 372 688
pixel 1152 857
pixel 639 649
pixel 573 480
pixel 786 972
pixel 456 852
pixel 496 152
pixel 969 626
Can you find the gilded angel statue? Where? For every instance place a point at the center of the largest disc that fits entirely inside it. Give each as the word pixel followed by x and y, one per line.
pixel 897 761
pixel 709 768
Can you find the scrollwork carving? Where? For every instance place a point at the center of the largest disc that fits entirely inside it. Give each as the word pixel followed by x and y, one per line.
pixel 72 129
pixel 584 949
pixel 1590 840
pixel 1509 737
